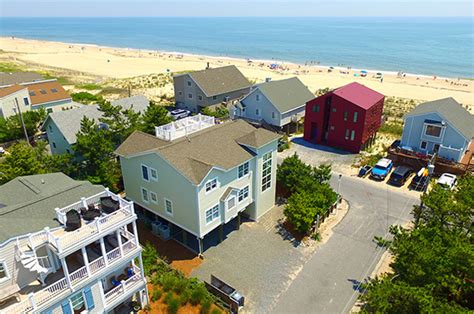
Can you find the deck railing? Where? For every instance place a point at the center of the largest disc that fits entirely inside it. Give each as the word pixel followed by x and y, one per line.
pixel 184 127
pixel 43 296
pixel 125 285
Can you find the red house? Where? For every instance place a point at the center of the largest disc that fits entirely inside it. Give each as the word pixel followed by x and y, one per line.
pixel 347 117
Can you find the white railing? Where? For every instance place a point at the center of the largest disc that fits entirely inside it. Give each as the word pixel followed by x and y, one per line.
pixel 44 261
pixel 78 275
pixel 97 265
pixel 184 127
pixel 124 286
pixel 113 255
pixel 41 297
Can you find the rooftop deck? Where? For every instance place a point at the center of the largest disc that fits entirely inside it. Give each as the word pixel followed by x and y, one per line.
pixel 184 127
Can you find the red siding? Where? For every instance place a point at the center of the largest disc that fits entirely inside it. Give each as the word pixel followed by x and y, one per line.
pixel 367 123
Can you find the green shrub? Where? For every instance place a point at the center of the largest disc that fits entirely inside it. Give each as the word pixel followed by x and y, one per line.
pixel 205 306
pixel 168 281
pixel 184 296
pixel 168 296
pixel 89 86
pixel 180 285
pixel 173 304
pixel 156 294
pixel 198 294
pixel 391 128
pixel 86 98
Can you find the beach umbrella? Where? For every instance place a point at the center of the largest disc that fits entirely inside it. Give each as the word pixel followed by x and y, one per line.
pixel 363 72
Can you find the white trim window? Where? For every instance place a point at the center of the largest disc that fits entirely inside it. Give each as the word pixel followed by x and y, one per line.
pixel 153 174
pixel 424 145
pixel 212 214
pixel 243 194
pixel 145 173
pixel 169 207
pixel 243 169
pixel 257 97
pixel 231 203
pixel 257 112
pixel 190 96
pixel 211 185
pixel 267 171
pixel 78 302
pixel 433 130
pixel 189 83
pixel 153 197
pixel 3 272
pixel 145 195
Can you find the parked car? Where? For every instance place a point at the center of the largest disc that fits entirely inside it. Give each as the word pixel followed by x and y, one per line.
pixel 447 181
pixel 179 113
pixel 400 175
pixel 2 151
pixel 420 180
pixel 381 169
pixel 364 171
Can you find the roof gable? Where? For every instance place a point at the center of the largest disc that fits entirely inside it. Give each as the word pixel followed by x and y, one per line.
pixel 359 95
pixel 217 81
pixel 221 146
pixel 287 94
pixel 450 110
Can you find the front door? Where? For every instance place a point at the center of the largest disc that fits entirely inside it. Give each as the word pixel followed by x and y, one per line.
pixel 314 131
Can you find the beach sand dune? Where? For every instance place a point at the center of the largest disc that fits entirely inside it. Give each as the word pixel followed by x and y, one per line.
pixel 109 62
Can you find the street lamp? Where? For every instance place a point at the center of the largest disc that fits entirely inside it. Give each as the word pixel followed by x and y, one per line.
pixel 339 183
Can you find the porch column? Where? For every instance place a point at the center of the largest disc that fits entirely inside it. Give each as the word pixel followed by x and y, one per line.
pixel 66 272
pixel 238 221
pixel 119 241
pixel 140 261
pixel 200 245
pixel 135 232
pixel 102 293
pixel 86 260
pixel 221 233
pixel 104 251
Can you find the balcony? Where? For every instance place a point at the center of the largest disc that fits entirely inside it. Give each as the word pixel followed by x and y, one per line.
pixel 125 287
pixel 64 241
pixel 183 127
pixel 110 255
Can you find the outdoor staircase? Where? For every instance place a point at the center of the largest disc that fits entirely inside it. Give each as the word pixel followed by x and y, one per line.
pixel 31 262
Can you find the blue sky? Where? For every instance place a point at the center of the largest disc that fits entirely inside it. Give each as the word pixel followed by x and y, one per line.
pixel 236 8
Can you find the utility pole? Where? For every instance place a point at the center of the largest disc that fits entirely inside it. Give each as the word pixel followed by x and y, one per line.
pixel 22 121
pixel 425 188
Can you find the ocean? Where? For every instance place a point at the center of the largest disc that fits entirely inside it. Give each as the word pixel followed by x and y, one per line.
pixel 429 46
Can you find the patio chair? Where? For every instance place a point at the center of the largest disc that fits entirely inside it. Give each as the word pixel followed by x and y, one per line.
pixel 108 204
pixel 91 214
pixel 129 272
pixel 114 282
pixel 73 220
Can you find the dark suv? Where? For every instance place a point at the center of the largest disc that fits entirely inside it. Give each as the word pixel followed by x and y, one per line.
pixel 400 175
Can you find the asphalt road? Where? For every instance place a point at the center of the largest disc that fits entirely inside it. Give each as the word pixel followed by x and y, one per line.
pixel 328 281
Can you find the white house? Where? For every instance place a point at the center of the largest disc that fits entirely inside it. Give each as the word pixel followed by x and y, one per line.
pixel 67 246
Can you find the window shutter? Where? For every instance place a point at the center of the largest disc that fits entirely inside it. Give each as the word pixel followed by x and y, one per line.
pixel 89 298
pixel 66 307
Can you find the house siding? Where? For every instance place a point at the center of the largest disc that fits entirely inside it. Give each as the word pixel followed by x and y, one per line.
pixel 453 144
pixel 317 124
pixel 55 136
pixel 8 104
pixel 263 105
pixel 170 185
pixel 193 104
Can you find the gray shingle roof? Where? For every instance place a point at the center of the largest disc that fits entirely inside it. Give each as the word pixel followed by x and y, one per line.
pixel 221 80
pixel 452 111
pixel 222 146
pixel 138 103
pixel 287 94
pixel 69 121
pixel 29 201
pixel 18 77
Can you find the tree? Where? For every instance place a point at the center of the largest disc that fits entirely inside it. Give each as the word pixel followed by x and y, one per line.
pixel 121 122
pixel 220 112
pixel 95 148
pixel 24 159
pixel 433 265
pixel 155 116
pixel 11 128
pixel 291 172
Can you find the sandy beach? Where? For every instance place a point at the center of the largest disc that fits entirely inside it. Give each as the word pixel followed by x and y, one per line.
pixel 105 63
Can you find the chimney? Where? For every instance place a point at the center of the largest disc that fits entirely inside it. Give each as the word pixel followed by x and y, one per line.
pixel 268 79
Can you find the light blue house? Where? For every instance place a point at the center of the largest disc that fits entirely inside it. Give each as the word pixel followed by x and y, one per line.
pixel 441 126
pixel 275 102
